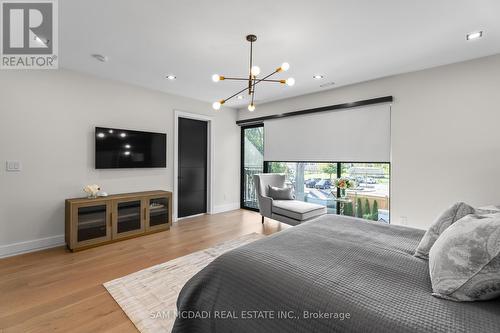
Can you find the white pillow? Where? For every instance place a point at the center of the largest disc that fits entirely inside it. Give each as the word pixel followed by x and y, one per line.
pixel 464 262
pixel 449 216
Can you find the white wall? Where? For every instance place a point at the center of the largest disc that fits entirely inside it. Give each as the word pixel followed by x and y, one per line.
pixel 47 120
pixel 445 134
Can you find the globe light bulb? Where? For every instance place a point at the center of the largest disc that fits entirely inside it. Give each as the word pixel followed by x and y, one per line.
pixel 255 70
pixel 251 108
pixel 290 81
pixel 216 105
pixel 285 66
pixel 216 77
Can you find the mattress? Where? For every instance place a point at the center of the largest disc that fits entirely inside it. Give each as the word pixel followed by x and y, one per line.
pixel 332 274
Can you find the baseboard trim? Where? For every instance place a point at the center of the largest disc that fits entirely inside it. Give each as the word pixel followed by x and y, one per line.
pixel 31 246
pixel 226 207
pixel 54 241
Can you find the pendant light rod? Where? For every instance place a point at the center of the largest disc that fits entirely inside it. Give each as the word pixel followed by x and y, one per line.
pixel 253 92
pixel 251 39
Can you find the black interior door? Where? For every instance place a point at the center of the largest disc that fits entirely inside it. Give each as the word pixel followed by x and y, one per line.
pixel 192 177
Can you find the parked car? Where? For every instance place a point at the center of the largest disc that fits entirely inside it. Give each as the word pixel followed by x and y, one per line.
pixel 370 180
pixel 310 183
pixel 323 184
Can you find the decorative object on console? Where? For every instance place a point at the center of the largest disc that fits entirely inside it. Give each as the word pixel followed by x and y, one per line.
pixel 92 191
pixel 254 71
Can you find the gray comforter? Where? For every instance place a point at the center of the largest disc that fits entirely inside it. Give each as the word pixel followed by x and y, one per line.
pixel 334 274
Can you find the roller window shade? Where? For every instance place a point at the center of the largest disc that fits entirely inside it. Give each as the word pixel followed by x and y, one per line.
pixel 352 135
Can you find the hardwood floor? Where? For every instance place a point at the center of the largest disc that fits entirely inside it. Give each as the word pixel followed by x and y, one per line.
pixel 55 290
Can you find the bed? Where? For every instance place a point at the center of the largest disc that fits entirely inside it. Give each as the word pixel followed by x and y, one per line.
pixel 333 274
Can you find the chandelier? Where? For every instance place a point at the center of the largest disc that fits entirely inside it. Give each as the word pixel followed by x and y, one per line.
pixel 254 72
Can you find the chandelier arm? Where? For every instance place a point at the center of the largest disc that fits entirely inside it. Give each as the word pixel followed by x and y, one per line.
pixel 251 86
pixel 245 79
pixel 235 78
pixel 267 76
pixel 232 96
pixel 275 81
pixel 245 89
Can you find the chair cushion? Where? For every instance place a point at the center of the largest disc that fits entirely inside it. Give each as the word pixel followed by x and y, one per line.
pixel 297 210
pixel 281 193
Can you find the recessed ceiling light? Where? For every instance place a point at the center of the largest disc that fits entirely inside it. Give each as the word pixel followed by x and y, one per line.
pixel 318 77
pixel 123 135
pixel 101 135
pixel 240 97
pixel 100 57
pixel 171 77
pixel 474 35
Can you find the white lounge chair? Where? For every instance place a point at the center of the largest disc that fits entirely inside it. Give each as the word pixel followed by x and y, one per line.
pixel 291 212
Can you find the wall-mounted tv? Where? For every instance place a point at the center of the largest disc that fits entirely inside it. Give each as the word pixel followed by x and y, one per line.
pixel 119 148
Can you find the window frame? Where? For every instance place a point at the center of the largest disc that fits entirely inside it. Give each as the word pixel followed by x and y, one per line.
pixel 266 169
pixel 339 174
pixel 242 165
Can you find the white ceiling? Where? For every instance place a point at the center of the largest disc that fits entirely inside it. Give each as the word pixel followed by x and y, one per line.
pixel 348 41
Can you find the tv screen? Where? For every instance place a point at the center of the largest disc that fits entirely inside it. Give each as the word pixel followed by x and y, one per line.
pixel 119 148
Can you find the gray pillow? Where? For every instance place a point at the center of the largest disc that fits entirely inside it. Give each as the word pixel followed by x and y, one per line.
pixel 450 216
pixel 464 263
pixel 281 193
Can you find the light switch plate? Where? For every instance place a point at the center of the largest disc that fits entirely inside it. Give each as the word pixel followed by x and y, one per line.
pixel 13 166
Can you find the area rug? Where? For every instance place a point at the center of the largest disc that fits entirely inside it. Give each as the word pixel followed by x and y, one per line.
pixel 149 296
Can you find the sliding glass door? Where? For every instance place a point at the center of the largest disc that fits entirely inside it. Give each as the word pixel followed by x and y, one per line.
pixel 252 162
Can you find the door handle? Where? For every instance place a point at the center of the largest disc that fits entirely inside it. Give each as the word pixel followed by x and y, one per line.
pixel 145 214
pixel 110 219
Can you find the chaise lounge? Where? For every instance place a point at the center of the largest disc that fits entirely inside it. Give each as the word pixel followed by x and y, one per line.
pixel 291 212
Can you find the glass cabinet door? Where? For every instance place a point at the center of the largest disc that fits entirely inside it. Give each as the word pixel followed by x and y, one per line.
pixel 92 223
pixel 158 215
pixel 128 218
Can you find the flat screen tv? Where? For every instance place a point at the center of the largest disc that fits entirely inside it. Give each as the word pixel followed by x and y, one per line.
pixel 119 148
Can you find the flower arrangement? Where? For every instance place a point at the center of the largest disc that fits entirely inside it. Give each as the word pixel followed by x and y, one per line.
pixel 91 191
pixel 344 183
